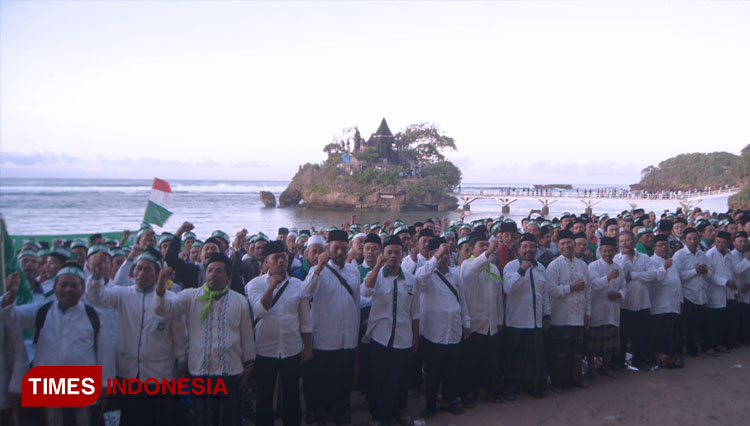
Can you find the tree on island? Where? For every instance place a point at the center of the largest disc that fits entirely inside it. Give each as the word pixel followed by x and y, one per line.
pixel 424 142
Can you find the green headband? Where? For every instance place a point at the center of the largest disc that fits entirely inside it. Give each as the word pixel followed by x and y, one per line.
pixel 71 270
pixel 150 257
pixel 97 249
pixel 25 253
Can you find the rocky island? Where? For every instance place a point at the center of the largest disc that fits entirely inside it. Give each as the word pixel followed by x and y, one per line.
pixel 387 172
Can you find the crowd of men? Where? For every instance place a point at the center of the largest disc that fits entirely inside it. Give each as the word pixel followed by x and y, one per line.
pixel 460 312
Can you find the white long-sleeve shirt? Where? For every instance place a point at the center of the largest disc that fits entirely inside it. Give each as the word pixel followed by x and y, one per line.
pixel 408 265
pixel 443 316
pixel 147 344
pixel 566 307
pixel 224 342
pixel 739 266
pixel 721 269
pixel 278 331
pixel 484 294
pixel 122 276
pixel 527 301
pixel 335 312
pixel 666 287
pixel 693 284
pixel 380 324
pixel 603 310
pixel 637 297
pixel 741 278
pixel 67 337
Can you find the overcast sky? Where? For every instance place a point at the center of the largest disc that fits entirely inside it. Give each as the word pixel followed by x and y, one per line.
pixel 541 92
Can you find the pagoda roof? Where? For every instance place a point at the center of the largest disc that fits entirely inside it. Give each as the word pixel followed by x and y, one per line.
pixel 383 130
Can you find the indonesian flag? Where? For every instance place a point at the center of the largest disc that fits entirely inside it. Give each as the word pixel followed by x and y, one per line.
pixel 161 196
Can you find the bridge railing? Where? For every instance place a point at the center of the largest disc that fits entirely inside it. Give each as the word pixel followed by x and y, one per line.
pixel 592 194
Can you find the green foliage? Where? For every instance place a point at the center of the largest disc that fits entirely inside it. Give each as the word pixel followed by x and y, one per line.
pixel 366 176
pixel 389 175
pixel 741 168
pixel 741 200
pixel 424 142
pixel 382 176
pixel 687 171
pixel 444 173
pixel 368 155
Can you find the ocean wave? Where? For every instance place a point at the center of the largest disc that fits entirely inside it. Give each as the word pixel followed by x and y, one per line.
pixel 176 188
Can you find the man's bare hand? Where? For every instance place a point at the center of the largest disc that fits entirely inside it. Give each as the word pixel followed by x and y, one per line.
pixel 578 285
pixel 613 295
pixel 164 275
pixel 614 274
pixel 668 263
pixel 185 227
pixel 12 282
pixel 322 262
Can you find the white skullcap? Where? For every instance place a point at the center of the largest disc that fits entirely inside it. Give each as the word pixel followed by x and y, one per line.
pixel 360 235
pixel 316 239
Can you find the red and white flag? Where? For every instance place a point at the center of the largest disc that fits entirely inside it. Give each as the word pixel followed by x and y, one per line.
pixel 156 210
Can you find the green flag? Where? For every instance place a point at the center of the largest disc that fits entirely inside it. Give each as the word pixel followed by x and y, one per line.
pixel 10 265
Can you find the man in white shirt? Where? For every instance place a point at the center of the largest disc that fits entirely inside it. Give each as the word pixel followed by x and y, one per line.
pixel 741 247
pixel 418 256
pixel 147 345
pixel 371 251
pixel 527 313
pixel 721 272
pixel 692 264
pixel 444 323
pixel 734 305
pixel 666 302
pixel 220 333
pixel 607 293
pixel 484 298
pixel 393 327
pixel 569 291
pixel 635 312
pixel 71 334
pixel 333 287
pixel 283 338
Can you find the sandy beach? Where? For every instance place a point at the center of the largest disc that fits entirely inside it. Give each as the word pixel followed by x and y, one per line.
pixel 708 391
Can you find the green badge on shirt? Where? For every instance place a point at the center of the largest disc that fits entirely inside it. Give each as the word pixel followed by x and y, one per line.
pixel 160 326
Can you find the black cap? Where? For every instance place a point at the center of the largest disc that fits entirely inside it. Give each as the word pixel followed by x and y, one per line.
pixel 392 240
pixel 218 257
pixel 508 227
pixel 660 237
pixel 426 233
pixel 724 234
pixel 373 238
pixel 528 237
pixel 434 243
pixel 338 235
pixel 609 241
pixel 283 230
pixel 576 236
pixel 274 247
pixel 564 234
pixel 740 234
pixel 689 230
pixel 479 234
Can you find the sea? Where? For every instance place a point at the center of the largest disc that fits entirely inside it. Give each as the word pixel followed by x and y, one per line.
pixel 81 206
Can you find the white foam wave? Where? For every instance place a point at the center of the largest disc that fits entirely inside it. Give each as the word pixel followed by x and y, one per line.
pixel 176 188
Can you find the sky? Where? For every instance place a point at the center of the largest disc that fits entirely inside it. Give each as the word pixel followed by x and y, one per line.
pixel 539 92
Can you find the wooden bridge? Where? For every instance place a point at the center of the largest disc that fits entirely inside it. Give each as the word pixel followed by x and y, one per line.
pixel 687 199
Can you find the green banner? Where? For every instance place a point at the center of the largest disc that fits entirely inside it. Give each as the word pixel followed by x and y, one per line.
pixel 18 239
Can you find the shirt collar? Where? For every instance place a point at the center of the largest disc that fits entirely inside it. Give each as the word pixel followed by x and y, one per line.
pixel 387 272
